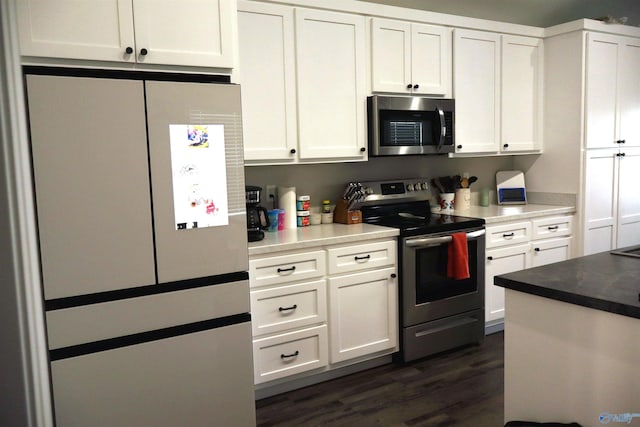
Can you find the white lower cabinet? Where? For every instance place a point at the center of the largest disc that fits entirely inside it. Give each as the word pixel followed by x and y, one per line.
pixel 363 315
pixel 501 261
pixel 514 246
pixel 318 309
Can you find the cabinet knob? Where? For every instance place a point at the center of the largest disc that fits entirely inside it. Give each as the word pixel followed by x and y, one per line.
pixel 416 86
pixel 490 258
pixel 409 86
pixel 459 147
pixel 143 51
pixel 620 141
pixel 292 151
pixel 506 145
pixel 536 249
pixel 393 275
pixel 362 149
pixel 128 50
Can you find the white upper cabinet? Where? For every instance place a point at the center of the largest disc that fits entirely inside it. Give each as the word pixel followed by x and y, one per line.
pixel 476 87
pixel 187 33
pixel 410 58
pixel 522 79
pixel 331 85
pixel 612 91
pixel 497 83
pixel 267 73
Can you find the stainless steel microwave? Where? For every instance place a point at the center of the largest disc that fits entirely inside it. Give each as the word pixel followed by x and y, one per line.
pixel 412 125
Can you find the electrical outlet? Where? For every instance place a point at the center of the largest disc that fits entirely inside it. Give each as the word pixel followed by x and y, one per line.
pixel 271 193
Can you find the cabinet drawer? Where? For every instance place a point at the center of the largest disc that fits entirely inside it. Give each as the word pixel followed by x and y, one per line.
pixel 287 307
pixel 552 227
pixel 286 268
pixel 362 257
pixel 291 353
pixel 508 234
pixel 550 250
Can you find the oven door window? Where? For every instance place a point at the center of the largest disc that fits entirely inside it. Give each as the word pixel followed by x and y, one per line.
pixel 408 128
pixel 432 283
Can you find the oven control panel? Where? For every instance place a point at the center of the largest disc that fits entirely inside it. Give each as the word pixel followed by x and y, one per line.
pixel 401 190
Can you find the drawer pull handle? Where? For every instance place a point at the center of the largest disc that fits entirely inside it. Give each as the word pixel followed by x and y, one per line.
pixel 506 235
pixel 284 270
pixel 287 356
pixel 293 307
pixel 360 258
pixel 553 228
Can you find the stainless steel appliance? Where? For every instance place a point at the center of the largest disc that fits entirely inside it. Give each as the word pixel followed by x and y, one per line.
pixel 257 218
pixel 400 126
pixel 139 185
pixel 436 312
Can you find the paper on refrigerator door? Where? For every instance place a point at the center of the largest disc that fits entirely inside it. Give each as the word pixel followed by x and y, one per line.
pixel 199 176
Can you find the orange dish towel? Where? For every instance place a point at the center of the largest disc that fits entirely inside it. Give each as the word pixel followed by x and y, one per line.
pixel 458 257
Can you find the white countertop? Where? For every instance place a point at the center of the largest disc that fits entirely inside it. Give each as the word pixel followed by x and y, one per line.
pixel 318 235
pixel 501 213
pixel 331 234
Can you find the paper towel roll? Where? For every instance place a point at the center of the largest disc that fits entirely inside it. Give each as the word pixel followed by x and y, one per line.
pixel 287 201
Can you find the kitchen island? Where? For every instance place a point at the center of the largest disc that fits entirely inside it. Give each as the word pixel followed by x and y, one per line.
pixel 572 341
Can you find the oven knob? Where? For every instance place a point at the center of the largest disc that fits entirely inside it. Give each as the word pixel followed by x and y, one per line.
pixel 416 187
pixel 409 187
pixel 424 186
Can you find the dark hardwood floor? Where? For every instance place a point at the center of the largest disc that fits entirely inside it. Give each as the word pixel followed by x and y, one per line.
pixel 463 387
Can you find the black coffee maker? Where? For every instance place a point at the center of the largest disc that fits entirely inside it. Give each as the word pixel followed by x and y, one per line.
pixel 257 218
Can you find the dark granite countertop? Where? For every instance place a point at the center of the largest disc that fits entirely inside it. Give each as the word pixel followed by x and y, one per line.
pixel 602 281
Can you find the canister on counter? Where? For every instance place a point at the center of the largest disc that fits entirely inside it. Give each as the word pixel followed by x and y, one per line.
pixel 303 218
pixel 303 203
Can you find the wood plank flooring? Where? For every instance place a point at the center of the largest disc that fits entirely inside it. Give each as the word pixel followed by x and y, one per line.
pixel 463 387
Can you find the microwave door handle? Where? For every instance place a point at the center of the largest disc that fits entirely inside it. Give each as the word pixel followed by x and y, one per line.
pixel 438 240
pixel 443 127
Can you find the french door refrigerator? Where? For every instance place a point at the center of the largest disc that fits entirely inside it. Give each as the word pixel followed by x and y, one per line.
pixel 139 187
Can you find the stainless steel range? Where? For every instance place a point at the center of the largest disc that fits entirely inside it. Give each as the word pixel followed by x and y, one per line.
pixel 437 312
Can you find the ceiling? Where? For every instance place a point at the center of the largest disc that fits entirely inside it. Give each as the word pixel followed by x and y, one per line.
pixel 539 13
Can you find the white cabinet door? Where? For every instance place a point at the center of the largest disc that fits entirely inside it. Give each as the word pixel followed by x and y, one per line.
pixel 502 261
pixel 549 251
pixel 430 59
pixel 600 200
pixel 628 198
pixel 363 314
pixel 390 56
pixel 629 93
pixel 94 30
pixel 601 90
pixel 267 74
pixel 476 82
pixel 331 86
pixel 192 33
pixel 521 106
pixel 188 33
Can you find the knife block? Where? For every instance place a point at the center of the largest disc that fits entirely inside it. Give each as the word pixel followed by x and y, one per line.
pixel 344 216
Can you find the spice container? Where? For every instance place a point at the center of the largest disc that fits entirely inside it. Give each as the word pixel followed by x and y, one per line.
pixel 326 206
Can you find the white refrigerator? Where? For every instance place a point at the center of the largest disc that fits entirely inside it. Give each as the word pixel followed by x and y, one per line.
pixel 139 187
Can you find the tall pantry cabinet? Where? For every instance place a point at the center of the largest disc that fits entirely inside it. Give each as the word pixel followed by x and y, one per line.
pixel 592 130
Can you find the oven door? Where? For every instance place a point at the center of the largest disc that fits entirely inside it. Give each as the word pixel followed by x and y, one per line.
pixel 427 293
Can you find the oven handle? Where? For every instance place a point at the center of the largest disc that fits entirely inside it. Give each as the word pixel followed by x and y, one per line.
pixel 429 241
